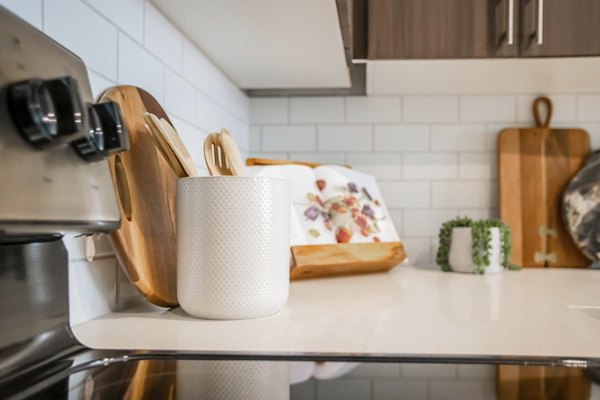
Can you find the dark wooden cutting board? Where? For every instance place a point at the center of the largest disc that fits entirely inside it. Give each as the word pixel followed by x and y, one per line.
pixel 534 167
pixel 145 184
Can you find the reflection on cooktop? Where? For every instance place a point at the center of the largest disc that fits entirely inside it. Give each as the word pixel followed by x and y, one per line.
pixel 182 379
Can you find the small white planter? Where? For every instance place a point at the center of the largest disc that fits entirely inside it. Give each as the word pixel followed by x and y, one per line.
pixel 460 255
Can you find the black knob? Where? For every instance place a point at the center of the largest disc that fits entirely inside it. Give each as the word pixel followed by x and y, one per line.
pixel 107 134
pixel 46 112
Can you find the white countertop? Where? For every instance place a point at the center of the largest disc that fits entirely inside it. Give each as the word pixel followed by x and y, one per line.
pixel 407 312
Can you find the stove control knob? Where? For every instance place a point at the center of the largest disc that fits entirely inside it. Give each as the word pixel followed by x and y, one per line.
pixel 46 112
pixel 107 134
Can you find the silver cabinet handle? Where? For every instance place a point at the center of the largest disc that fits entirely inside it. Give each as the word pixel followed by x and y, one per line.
pixel 540 22
pixel 510 34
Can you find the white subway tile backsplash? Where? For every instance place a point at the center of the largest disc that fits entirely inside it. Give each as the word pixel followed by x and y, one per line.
pixel 194 66
pixel 180 96
pixel 405 389
pixel 322 158
pixel 588 107
pixel 255 139
pixel 30 11
pixel 345 137
pixel 283 138
pixel 128 15
pixel 477 166
pixel 358 389
pixel 96 282
pixel 98 83
pixel 396 216
pixel 150 77
pixel 193 139
pixel 458 137
pixel 270 155
pixel 425 223
pixel 269 110
pixel 399 194
pixel 380 165
pixel 563 108
pixel 429 166
pixel 430 108
pixel 305 110
pixel 401 137
pixel 461 194
pixel 487 108
pixel 373 109
pixel 594 131
pixel 84 32
pixel 162 38
pixel 456 389
pixel 419 251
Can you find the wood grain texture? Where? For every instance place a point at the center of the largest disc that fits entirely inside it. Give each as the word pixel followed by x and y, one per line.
pixel 145 243
pixel 318 261
pixel 422 29
pixel 541 383
pixel 534 167
pixel 267 161
pixel 571 28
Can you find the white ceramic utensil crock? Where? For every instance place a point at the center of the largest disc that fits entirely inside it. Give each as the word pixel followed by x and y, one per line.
pixel 233 241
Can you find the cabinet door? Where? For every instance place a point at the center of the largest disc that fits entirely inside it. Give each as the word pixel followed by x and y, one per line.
pixel 421 29
pixel 560 28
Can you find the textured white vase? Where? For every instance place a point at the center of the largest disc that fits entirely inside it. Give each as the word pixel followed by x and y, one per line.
pixel 233 243
pixel 460 255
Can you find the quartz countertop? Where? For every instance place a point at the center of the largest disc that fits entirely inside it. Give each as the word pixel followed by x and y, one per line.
pixel 406 313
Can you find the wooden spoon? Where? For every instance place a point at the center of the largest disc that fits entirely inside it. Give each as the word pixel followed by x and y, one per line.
pixel 170 145
pixel 222 155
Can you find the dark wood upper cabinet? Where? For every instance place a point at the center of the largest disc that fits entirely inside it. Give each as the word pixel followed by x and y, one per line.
pixel 424 29
pixel 441 29
pixel 555 28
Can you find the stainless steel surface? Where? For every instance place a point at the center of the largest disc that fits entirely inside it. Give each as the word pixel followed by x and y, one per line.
pixel 510 34
pixel 540 23
pixel 34 311
pixel 51 190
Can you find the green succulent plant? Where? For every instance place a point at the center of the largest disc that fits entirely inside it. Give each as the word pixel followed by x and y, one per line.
pixel 482 242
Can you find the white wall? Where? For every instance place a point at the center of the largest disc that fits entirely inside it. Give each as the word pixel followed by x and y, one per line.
pixel 431 143
pixel 131 42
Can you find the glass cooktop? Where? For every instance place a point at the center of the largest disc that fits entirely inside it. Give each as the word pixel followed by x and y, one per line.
pixel 126 377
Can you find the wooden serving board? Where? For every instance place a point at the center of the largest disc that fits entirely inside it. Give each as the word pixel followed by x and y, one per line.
pixel 534 167
pixel 318 261
pixel 145 184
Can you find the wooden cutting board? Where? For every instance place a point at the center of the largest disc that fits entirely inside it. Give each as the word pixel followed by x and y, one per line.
pixel 534 167
pixel 515 382
pixel 145 185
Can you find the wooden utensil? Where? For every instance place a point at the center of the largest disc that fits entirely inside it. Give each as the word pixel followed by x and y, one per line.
pixel 222 155
pixel 145 184
pixel 534 166
pixel 171 146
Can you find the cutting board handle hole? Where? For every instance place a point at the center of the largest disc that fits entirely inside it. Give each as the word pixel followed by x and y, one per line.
pixel 123 187
pixel 537 112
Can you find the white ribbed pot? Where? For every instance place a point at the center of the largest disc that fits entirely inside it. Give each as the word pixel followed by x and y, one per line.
pixel 460 256
pixel 233 246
